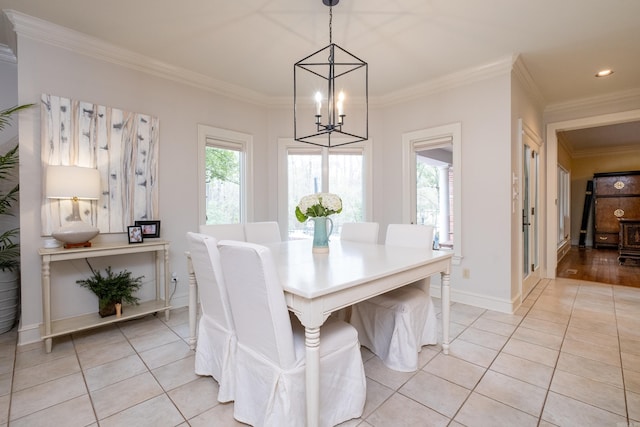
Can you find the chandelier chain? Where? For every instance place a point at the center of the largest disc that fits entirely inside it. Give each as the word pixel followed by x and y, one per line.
pixel 330 22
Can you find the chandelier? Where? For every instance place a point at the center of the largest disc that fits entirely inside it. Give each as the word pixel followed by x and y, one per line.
pixel 327 85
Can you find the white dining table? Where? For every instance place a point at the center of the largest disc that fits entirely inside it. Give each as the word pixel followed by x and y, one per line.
pixel 316 285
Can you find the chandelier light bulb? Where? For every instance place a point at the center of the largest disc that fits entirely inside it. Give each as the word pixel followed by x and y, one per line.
pixel 318 103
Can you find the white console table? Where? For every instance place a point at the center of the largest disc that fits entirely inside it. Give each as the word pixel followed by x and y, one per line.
pixel 52 328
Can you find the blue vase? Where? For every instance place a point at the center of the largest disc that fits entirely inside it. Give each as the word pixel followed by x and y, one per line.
pixel 320 234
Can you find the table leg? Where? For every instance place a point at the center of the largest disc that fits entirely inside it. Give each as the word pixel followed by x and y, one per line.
pixel 193 303
pixel 312 344
pixel 446 289
pixel 166 276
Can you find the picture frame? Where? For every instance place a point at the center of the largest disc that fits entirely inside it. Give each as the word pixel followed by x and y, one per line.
pixel 149 228
pixel 134 232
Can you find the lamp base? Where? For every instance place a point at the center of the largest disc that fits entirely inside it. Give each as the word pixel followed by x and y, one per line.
pixel 76 234
pixel 77 245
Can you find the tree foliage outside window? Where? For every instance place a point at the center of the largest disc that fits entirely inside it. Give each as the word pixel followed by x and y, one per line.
pixel 346 180
pixel 427 193
pixel 345 176
pixel 222 175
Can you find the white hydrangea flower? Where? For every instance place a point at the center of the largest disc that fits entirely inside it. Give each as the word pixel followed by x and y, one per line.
pixel 330 201
pixel 319 204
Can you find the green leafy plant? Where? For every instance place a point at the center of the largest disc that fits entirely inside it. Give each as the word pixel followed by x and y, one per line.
pixel 112 287
pixel 9 248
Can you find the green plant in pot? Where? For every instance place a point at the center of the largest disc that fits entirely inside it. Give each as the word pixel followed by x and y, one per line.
pixel 9 236
pixel 112 288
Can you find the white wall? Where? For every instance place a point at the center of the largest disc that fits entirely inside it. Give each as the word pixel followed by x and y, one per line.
pixel 9 96
pixel 46 69
pixel 483 109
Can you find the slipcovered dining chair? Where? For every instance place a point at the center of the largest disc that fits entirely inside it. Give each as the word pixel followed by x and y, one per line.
pixel 215 351
pixel 365 232
pixel 262 232
pixel 224 231
pixel 396 324
pixel 270 361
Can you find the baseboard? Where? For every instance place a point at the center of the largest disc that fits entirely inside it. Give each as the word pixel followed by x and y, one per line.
pixel 178 301
pixel 28 334
pixel 478 300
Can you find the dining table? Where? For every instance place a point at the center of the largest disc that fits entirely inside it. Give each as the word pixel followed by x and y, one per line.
pixel 316 285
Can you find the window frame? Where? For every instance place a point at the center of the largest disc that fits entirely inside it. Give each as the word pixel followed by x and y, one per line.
pixel 286 144
pixel 425 137
pixel 226 139
pixel 564 206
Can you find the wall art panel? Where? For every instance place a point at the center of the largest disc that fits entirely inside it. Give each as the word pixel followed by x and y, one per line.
pixel 122 145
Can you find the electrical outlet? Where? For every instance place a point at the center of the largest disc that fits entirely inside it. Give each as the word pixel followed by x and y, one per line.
pixel 174 277
pixel 466 273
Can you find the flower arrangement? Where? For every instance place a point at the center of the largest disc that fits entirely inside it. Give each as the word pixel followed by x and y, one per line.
pixel 319 204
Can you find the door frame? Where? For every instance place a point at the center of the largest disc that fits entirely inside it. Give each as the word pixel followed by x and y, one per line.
pixel 527 283
pixel 552 175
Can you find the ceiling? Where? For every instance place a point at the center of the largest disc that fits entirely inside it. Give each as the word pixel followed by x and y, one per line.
pixel 254 44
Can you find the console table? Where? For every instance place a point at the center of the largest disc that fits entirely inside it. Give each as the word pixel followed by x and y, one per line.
pixel 52 328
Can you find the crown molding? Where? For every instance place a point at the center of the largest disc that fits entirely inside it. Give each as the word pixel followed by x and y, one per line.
pixel 6 54
pixel 608 100
pixel 521 72
pixel 562 142
pixel 459 78
pixel 604 151
pixel 58 36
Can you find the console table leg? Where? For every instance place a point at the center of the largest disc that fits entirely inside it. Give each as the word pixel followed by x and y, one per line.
pixel 193 303
pixel 47 344
pixel 446 306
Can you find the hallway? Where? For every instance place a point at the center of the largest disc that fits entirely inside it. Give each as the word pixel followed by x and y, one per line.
pixel 599 265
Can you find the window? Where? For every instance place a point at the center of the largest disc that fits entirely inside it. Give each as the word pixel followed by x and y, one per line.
pixel 564 200
pixel 309 169
pixel 224 173
pixel 432 189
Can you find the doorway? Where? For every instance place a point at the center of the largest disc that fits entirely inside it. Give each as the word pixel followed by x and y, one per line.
pixel 552 179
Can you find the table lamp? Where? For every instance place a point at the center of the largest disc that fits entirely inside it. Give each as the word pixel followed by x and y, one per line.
pixel 74 183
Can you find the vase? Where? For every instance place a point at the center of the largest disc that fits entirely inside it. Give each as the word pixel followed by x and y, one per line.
pixel 321 235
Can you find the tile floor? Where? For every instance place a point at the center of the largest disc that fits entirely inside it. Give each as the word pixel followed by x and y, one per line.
pixel 570 356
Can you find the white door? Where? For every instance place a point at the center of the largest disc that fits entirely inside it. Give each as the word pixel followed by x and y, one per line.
pixel 530 214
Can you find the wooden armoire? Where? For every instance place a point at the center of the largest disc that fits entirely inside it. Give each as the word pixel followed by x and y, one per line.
pixel 617 196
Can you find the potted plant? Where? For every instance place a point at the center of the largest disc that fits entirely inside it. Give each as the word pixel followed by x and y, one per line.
pixel 112 288
pixel 9 243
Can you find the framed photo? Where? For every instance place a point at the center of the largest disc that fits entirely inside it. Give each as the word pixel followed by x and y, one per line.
pixel 135 234
pixel 149 228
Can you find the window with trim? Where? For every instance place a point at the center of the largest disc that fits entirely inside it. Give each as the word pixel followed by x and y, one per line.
pixel 432 190
pixel 340 170
pixel 223 171
pixel 564 201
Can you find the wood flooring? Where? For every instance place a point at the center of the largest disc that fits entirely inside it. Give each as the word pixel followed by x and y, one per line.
pixel 599 265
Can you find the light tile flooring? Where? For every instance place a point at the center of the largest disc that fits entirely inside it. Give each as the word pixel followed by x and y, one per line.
pixel 570 356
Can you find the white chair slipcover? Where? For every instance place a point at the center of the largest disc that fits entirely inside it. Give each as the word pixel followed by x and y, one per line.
pixel 224 231
pixel 396 324
pixel 365 232
pixel 262 232
pixel 270 358
pixel 215 351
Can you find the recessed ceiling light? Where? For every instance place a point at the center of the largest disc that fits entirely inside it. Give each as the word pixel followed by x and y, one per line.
pixel 604 73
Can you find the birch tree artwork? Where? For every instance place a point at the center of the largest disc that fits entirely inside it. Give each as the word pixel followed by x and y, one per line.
pixel 122 145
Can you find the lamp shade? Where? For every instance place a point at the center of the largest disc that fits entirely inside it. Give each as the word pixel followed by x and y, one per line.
pixel 68 182
pixel 73 182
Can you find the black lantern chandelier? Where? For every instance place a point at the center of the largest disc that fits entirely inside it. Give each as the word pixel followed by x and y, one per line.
pixel 327 84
